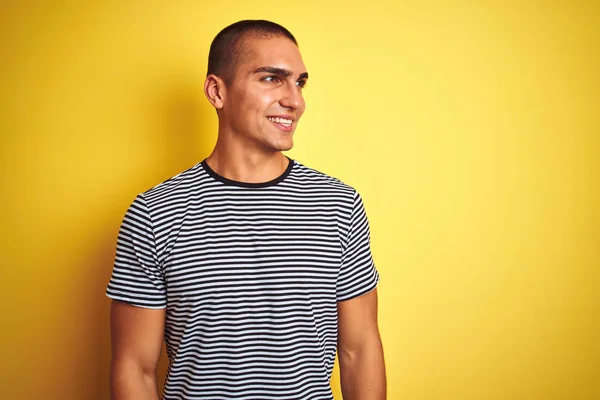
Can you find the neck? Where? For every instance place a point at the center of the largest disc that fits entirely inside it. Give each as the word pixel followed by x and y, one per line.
pixel 243 164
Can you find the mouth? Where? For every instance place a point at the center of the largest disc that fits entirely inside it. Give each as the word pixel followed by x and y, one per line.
pixel 283 123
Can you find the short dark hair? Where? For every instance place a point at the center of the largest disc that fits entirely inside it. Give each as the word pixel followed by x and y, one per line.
pixel 227 47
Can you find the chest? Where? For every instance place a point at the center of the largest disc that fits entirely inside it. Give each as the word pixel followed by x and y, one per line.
pixel 264 248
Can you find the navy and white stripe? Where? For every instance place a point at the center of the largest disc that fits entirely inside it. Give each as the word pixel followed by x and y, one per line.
pixel 250 275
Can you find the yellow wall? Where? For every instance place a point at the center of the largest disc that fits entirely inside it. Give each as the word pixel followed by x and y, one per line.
pixel 471 130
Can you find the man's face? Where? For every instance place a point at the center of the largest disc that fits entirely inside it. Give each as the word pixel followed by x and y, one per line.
pixel 264 101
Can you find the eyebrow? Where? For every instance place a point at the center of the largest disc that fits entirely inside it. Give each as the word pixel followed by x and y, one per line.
pixel 284 73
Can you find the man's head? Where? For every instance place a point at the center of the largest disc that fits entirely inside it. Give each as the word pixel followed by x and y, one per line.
pixel 230 45
pixel 255 80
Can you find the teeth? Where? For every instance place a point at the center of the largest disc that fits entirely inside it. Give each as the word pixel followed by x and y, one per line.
pixel 282 121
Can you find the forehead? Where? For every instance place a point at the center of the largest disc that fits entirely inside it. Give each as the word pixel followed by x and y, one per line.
pixel 271 52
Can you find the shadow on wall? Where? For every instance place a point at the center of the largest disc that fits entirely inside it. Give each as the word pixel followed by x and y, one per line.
pixel 180 126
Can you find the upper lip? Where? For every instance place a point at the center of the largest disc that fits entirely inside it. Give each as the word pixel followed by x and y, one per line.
pixel 282 116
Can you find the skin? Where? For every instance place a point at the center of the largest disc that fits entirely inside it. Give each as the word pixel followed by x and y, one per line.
pixel 136 343
pixel 360 351
pixel 268 82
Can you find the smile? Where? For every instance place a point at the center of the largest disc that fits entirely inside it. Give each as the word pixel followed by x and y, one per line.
pixel 282 121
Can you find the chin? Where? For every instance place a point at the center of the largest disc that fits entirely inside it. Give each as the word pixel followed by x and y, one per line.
pixel 287 146
pixel 280 148
pixel 280 145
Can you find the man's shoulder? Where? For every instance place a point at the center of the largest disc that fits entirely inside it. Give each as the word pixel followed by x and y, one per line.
pixel 310 176
pixel 179 185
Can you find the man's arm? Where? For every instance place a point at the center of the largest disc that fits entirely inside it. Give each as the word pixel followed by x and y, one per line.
pixel 137 337
pixel 360 352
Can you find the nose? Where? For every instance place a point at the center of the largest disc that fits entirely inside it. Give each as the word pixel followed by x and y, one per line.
pixel 292 97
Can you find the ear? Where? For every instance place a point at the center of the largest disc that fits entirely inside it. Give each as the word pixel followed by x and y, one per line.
pixel 214 89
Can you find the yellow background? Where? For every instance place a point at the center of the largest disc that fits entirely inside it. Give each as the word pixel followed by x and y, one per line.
pixel 470 128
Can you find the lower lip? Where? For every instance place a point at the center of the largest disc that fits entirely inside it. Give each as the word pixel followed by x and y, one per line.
pixel 283 127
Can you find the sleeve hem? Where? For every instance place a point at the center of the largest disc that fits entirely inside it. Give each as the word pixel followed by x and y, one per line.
pixel 135 302
pixel 362 292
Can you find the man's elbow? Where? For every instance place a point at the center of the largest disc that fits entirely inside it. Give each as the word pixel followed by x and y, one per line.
pixel 129 376
pixel 369 346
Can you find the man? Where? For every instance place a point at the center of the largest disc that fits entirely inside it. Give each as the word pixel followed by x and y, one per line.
pixel 252 267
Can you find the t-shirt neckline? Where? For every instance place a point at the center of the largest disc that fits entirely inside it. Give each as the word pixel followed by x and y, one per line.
pixel 231 182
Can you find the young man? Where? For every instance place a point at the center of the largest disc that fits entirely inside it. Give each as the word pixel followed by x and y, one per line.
pixel 251 266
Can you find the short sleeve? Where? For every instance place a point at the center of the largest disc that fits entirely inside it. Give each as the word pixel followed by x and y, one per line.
pixel 358 274
pixel 137 278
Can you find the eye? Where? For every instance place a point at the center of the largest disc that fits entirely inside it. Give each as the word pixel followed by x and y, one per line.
pixel 271 78
pixel 301 83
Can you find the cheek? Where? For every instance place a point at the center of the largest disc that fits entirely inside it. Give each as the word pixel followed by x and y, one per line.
pixel 265 100
pixel 258 103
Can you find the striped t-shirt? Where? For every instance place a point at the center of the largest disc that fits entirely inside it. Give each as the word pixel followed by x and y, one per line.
pixel 250 276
